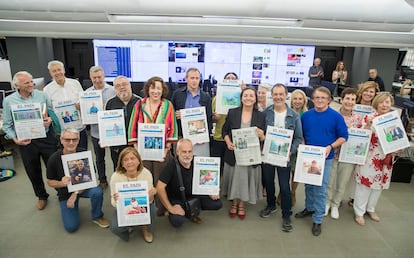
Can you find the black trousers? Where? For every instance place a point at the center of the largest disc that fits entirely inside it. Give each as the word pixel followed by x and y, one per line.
pixel 31 154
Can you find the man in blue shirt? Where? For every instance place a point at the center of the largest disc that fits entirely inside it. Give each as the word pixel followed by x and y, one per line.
pixel 325 127
pixel 30 149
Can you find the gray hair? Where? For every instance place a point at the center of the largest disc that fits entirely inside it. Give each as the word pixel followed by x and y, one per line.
pixel 95 68
pixel 70 130
pixel 180 141
pixel 120 77
pixel 16 80
pixel 55 62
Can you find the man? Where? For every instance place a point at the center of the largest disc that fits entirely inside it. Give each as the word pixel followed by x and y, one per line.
pixel 69 209
pixel 125 100
pixel 281 116
pixel 168 187
pixel 30 150
pixel 373 76
pixel 97 76
pixel 80 174
pixel 325 127
pixel 315 73
pixel 62 89
pixel 190 97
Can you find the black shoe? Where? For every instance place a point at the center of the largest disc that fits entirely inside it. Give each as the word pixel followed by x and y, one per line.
pixel 304 213
pixel 316 229
pixel 287 225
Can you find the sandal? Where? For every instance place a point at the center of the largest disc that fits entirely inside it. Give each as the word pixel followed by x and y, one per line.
pixel 233 210
pixel 360 220
pixel 374 216
pixel 241 212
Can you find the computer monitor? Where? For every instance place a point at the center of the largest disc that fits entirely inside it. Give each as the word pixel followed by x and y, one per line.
pixel 6 86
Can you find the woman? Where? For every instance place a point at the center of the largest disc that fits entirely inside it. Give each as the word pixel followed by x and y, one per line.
pixel 367 92
pixel 155 109
pixel 375 175
pixel 129 169
pixel 339 75
pixel 262 91
pixel 242 183
pixel 219 146
pixel 341 172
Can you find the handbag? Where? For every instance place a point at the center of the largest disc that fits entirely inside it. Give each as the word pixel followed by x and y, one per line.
pixel 192 207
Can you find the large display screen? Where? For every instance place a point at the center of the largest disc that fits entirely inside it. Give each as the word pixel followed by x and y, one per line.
pixel 254 63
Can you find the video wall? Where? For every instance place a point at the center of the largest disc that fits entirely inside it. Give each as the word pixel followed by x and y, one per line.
pixel 254 63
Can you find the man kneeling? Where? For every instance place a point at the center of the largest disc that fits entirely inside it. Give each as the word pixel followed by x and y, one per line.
pixel 168 187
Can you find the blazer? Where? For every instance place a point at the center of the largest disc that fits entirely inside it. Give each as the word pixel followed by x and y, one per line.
pixel 233 121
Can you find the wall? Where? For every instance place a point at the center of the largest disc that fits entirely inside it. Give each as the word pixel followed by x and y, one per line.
pixel 385 60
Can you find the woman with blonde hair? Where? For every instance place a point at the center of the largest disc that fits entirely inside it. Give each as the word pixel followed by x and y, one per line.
pixel 130 168
pixel 367 92
pixel 299 101
pixel 340 74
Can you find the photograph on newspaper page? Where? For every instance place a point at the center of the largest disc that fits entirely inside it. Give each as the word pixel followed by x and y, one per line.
pixel 246 146
pixel 79 167
pixel 227 96
pixel 28 121
pixel 355 149
pixel 151 139
pixel 276 148
pixel 310 164
pixel 68 115
pixel 194 124
pixel 132 206
pixel 111 127
pixel 90 103
pixel 206 176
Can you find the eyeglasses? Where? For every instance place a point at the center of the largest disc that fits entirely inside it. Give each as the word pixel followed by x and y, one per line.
pixel 124 84
pixel 70 139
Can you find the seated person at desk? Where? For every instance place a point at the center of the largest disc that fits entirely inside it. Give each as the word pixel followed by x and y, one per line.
pixel 404 91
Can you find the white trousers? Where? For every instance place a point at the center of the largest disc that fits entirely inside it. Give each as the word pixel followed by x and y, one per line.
pixel 365 199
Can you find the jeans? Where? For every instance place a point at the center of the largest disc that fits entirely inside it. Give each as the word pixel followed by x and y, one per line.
pixel 283 174
pixel 122 232
pixel 316 195
pixel 100 159
pixel 70 216
pixel 206 204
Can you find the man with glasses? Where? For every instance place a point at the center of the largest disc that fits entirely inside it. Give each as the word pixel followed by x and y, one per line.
pixel 69 201
pixel 125 100
pixel 30 149
pixel 325 127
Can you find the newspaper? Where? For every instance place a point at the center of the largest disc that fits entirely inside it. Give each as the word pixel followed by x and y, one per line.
pixel 79 167
pixel 362 110
pixel 390 132
pixel 111 127
pixel 194 124
pixel 151 139
pixel 355 150
pixel 28 121
pixel 228 95
pixel 310 164
pixel 206 176
pixel 90 103
pixel 68 115
pixel 133 207
pixel 277 145
pixel 247 146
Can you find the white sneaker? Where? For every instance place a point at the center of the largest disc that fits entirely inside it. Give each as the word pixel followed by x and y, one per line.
pixel 327 207
pixel 334 213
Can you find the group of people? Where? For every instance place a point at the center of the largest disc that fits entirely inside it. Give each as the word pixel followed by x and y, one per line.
pixel 319 126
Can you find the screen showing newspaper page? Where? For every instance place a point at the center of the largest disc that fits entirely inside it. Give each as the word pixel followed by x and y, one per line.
pixel 355 149
pixel 194 124
pixel 28 121
pixel 206 175
pixel 90 102
pixel 390 131
pixel 276 147
pixel 68 115
pixel 246 146
pixel 151 139
pixel 228 95
pixel 310 164
pixel 362 110
pixel 111 127
pixel 79 167
pixel 133 207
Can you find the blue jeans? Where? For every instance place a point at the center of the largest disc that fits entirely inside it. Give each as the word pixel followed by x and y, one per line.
pixel 100 159
pixel 316 195
pixel 70 216
pixel 283 174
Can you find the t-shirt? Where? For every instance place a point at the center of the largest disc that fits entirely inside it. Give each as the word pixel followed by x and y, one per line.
pixel 169 177
pixel 280 119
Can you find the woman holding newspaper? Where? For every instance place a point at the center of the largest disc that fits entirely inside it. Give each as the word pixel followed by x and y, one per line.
pixel 375 175
pixel 242 183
